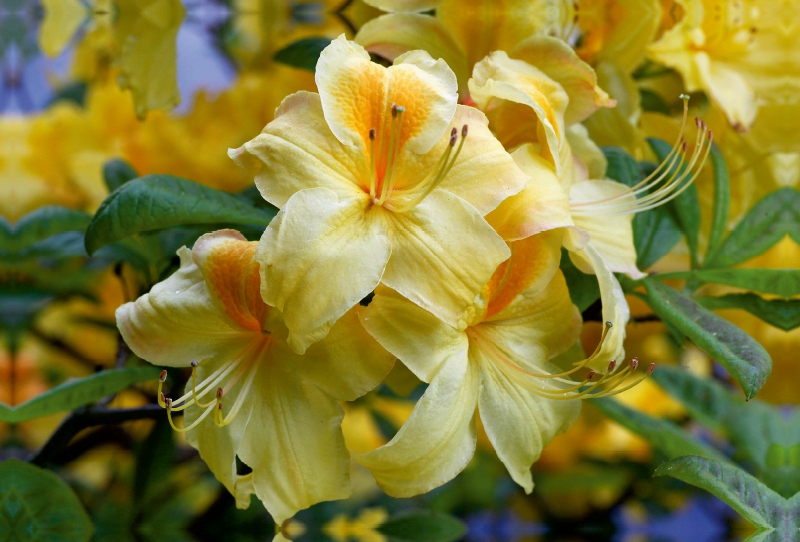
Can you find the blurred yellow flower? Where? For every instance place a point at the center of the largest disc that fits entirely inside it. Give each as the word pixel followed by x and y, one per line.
pixel 373 187
pixel 283 419
pixel 360 529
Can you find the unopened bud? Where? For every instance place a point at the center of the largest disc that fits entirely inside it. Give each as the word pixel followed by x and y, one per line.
pixel 163 376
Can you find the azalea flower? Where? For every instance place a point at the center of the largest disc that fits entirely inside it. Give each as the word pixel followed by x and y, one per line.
pixel 505 88
pixel 381 177
pixel 497 364
pixel 250 395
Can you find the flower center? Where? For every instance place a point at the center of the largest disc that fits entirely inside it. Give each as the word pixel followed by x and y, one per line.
pixel 384 155
pixel 665 183
pixel 220 382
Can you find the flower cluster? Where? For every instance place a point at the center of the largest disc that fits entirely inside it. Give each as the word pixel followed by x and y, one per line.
pixel 424 210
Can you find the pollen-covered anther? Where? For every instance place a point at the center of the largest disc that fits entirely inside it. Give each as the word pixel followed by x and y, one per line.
pixel 634 364
pixel 651 368
pixel 163 376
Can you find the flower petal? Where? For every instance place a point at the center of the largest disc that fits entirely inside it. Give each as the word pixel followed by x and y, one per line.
pixel 499 85
pixel 434 249
pixel 392 35
pixel 438 440
pixel 560 63
pixel 542 205
pixel 297 150
pixel 520 424
pixel 178 321
pixel 404 5
pixel 357 95
pixel 615 310
pixel 611 235
pixel 294 444
pixel 346 364
pixel 418 338
pixel 319 257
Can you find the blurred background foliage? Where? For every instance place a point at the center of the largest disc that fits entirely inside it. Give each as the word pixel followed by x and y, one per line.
pixel 98 92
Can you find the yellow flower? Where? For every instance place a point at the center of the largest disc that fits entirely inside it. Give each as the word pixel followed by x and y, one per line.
pixel 361 528
pixel 380 178
pixel 499 364
pixel 741 53
pixel 462 31
pixel 275 410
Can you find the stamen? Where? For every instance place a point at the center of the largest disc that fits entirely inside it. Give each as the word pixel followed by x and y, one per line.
pixel 372 179
pixel 681 176
pixel 394 151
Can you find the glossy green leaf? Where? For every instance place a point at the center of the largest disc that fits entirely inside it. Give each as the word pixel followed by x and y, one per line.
pixel 36 505
pixel 655 231
pixel 776 215
pixel 423 526
pixel 686 206
pixel 75 393
pixel 303 53
pixel 782 282
pixel 743 357
pixel 663 435
pixel 775 516
pixel 781 313
pixel 762 436
pixel 117 172
pixel 722 200
pixel 156 202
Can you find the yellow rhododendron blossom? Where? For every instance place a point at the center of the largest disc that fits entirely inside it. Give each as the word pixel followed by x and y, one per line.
pixel 462 31
pixel 250 395
pixel 499 364
pixel 381 177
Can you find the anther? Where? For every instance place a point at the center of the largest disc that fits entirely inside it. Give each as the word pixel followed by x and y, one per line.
pixel 634 364
pixel 394 110
pixel 651 369
pixel 372 134
pixel 453 139
pixel 219 393
pixel 464 130
pixel 612 366
pixel 684 97
pixel 163 376
pixel 453 132
pixel 590 375
pixel 710 136
pixel 168 402
pixel 194 364
pixel 162 397
pixel 609 324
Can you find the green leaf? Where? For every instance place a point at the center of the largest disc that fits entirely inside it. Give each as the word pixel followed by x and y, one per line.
pixel 663 435
pixel 117 172
pixel 686 206
pixel 75 393
pixel 782 282
pixel 743 357
pixel 583 289
pixel 761 435
pixel 423 526
pixel 758 504
pixel 39 225
pixel 775 216
pixel 722 200
pixel 36 505
pixel 155 202
pixel 303 53
pixel 155 459
pixel 655 231
pixel 781 313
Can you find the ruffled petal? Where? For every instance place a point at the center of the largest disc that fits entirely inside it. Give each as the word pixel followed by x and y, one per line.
pixel 319 257
pixel 438 440
pixel 500 85
pixel 418 338
pixel 443 252
pixel 518 423
pixel 542 205
pixel 294 444
pixel 611 235
pixel 560 63
pixel 297 150
pixel 346 364
pixel 357 95
pixel 392 35
pixel 179 321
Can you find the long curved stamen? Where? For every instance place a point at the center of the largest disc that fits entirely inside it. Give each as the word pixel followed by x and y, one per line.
pixel 372 176
pixel 394 151
pixel 678 174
